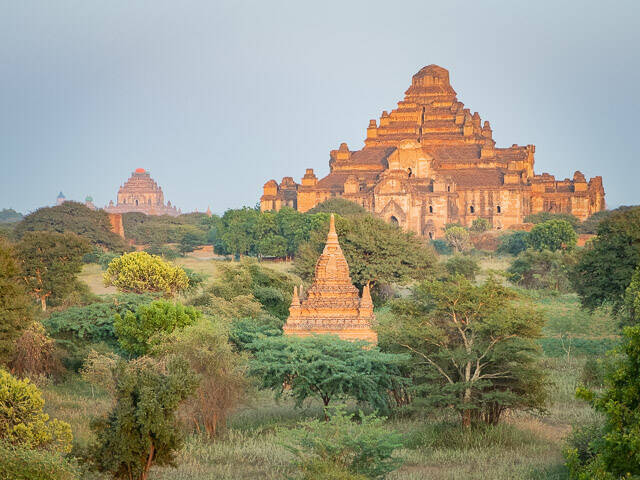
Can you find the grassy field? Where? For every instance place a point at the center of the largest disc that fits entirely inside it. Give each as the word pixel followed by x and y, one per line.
pixel 524 446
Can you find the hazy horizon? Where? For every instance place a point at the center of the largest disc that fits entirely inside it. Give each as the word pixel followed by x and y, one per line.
pixel 216 98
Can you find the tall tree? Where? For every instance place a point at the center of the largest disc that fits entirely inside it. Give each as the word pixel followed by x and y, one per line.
pixel 50 263
pixel 141 429
pixel 606 265
pixel 552 235
pixel 472 345
pixel 15 305
pixel 74 217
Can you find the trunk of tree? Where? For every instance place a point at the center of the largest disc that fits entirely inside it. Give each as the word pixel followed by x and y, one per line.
pixel 466 415
pixel 43 303
pixel 147 467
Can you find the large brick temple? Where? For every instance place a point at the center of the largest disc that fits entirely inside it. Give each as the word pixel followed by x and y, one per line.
pixel 141 193
pixel 332 304
pixel 431 162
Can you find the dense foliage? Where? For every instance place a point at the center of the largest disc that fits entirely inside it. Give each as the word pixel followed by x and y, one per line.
pixel 552 235
pixel 23 463
pixel 141 429
pixel 376 252
pixel 457 237
pixel 542 217
pixel 137 332
pixel 362 447
pixel 189 229
pixel 615 454
pixel 513 243
pixel 73 217
pixel 462 265
pixel 15 305
pixel 543 269
pixel 339 206
pixel 473 348
pixel 139 272
pixel 327 368
pixel 50 264
pixel 223 381
pixel 606 265
pixel 22 421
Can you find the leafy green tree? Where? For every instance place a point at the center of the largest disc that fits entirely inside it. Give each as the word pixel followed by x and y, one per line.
pixel 376 252
pixel 162 229
pixel 632 299
pixel 16 312
pixel 457 237
pixel 239 235
pixel 480 225
pixel 22 421
pixel 513 243
pixel 205 345
pixel 363 447
pixel 552 235
pixel 617 452
pixel 606 265
pixel 590 225
pixel 73 217
pixel 272 246
pixel 191 240
pixel 327 368
pixel 50 263
pixel 543 269
pixel 141 429
pixel 139 272
pixel 542 217
pixel 462 265
pixel 339 206
pixel 473 348
pixel 138 332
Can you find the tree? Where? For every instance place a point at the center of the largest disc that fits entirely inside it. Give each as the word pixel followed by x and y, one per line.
pixel 457 237
pixel 616 453
pixel 461 265
pixel 141 429
pixel 190 241
pixel 542 217
pixel 35 353
pixel 363 447
pixel 22 421
pixel 543 269
pixel 513 243
pixel 552 235
pixel 377 252
pixel 632 299
pixel 137 332
pixel 16 312
pixel 472 348
pixel 205 345
pixel 139 272
pixel 606 265
pixel 50 263
pixel 240 226
pixel 73 217
pixel 480 225
pixel 327 368
pixel 339 206
pixel 9 215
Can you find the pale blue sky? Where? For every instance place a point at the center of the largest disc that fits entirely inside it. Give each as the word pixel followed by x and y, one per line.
pixel 215 98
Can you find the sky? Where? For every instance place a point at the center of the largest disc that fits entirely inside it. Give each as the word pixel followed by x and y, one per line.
pixel 214 98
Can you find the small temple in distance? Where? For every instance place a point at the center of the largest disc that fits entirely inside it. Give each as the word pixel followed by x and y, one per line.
pixel 142 194
pixel 332 304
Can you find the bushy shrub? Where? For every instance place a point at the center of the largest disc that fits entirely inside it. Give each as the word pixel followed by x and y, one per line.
pixel 462 265
pixel 138 331
pixel 22 463
pixel 593 372
pixel 364 447
pixel 513 243
pixel 99 371
pixel 480 225
pixel 542 217
pixel 22 421
pixel 139 272
pixel 441 247
pixel 35 353
pixel 543 270
pixel 246 331
pixel 552 235
pixel 457 238
pixel 222 373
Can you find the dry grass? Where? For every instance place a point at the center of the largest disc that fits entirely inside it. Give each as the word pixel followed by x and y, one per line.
pixel 91 274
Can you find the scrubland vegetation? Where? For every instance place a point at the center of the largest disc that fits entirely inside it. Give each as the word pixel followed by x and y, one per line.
pixel 179 369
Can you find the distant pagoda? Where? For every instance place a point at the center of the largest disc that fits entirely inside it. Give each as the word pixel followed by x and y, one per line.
pixel 142 194
pixel 332 304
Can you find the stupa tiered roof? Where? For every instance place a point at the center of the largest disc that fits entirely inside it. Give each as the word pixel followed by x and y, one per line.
pixel 332 305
